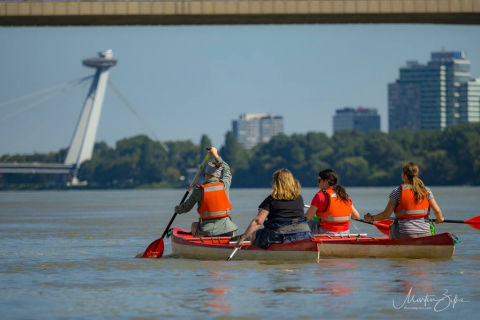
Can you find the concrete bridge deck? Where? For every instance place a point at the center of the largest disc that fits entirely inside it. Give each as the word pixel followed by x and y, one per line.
pixel 35 167
pixel 233 12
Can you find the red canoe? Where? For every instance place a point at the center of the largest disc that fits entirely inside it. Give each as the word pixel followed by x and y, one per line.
pixel 345 246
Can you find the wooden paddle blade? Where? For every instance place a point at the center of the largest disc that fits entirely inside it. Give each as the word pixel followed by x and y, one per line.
pixel 155 249
pixel 383 226
pixel 474 222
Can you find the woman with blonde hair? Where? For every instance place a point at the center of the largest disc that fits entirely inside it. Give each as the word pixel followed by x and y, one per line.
pixel 411 202
pixel 281 214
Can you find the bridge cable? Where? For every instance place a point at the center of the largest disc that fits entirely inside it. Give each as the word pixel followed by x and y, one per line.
pixel 46 91
pixel 49 94
pixel 129 105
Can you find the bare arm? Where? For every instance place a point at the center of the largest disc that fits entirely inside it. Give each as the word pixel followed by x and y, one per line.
pixel 311 212
pixel 382 215
pixel 436 210
pixel 355 214
pixel 254 225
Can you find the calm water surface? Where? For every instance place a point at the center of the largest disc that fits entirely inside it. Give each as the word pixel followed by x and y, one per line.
pixel 70 255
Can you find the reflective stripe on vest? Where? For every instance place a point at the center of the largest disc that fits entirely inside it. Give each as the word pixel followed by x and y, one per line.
pixel 214 203
pixel 408 206
pixel 337 219
pixel 214 215
pixel 214 188
pixel 411 212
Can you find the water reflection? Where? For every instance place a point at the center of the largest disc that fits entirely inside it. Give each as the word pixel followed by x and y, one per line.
pixel 216 296
pixel 416 274
pixel 217 300
pixel 343 272
pixel 335 287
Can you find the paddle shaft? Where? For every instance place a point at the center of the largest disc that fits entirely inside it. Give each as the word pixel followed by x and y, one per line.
pixel 361 220
pixel 232 254
pixel 449 221
pixel 174 216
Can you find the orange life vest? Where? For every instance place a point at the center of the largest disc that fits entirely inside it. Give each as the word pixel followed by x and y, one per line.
pixel 409 207
pixel 336 217
pixel 214 203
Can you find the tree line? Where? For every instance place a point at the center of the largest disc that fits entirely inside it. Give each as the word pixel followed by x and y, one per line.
pixel 446 157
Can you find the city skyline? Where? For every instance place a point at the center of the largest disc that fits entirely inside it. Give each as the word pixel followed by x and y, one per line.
pixel 253 128
pixel 435 95
pixel 189 81
pixel 360 119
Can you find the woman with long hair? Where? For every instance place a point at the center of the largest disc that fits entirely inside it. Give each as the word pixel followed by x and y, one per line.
pixel 331 205
pixel 281 214
pixel 411 202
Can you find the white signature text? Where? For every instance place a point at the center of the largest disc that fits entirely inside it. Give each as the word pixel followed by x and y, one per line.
pixel 429 301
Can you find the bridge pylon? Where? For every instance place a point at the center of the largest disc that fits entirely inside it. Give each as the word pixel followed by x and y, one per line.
pixel 81 146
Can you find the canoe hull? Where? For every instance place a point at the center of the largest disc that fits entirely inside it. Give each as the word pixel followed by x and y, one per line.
pixel 440 246
pixel 386 251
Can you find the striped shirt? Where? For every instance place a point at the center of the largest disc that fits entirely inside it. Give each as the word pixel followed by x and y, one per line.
pixel 411 226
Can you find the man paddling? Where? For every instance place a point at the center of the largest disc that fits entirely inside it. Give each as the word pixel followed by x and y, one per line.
pixel 213 201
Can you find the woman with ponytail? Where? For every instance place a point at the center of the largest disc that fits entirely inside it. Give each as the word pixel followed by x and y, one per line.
pixel 331 205
pixel 411 202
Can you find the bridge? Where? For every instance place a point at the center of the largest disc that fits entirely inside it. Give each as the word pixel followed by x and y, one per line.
pixel 81 146
pixel 234 12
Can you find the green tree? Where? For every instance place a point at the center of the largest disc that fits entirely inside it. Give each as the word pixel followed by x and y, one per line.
pixel 353 171
pixel 462 143
pixel 234 153
pixel 437 168
pixel 385 156
pixel 205 142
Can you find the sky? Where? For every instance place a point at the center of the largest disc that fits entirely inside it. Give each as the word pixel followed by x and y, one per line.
pixel 185 81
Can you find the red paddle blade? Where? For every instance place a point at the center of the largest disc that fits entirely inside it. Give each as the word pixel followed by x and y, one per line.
pixel 154 250
pixel 474 222
pixel 383 226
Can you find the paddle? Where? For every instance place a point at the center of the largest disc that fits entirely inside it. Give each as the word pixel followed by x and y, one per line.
pixel 382 226
pixel 155 249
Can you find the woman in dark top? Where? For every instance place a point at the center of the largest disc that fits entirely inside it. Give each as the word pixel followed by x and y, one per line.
pixel 281 214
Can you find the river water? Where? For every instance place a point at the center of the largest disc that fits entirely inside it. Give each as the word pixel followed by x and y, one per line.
pixel 71 255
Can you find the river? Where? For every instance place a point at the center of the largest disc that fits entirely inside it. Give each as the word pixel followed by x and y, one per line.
pixel 71 255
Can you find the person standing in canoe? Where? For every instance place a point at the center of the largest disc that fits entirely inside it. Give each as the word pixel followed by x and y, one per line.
pixel 411 202
pixel 281 214
pixel 331 205
pixel 212 197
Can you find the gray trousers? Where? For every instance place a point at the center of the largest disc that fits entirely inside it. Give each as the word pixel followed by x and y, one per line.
pixel 394 233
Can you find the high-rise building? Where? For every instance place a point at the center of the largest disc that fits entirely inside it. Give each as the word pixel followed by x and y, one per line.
pixel 360 119
pixel 434 95
pixel 252 128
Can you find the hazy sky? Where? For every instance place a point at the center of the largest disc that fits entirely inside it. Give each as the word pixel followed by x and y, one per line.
pixel 189 81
